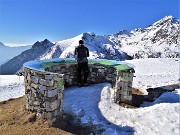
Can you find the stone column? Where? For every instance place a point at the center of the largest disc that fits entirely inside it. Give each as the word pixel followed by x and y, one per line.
pixel 44 93
pixel 123 87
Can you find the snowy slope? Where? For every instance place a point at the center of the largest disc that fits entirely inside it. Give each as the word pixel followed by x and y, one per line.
pixel 153 72
pixel 160 117
pixel 94 106
pixel 99 47
pixel 11 86
pixel 159 40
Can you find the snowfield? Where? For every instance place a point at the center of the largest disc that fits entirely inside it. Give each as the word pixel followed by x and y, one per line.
pixel 154 72
pixel 93 105
pixel 11 86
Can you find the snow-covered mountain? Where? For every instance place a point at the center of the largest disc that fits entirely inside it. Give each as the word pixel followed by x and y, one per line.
pixel 159 40
pixel 35 52
pixel 99 47
pixel 7 53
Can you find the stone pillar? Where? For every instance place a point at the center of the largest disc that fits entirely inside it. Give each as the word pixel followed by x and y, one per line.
pixel 123 87
pixel 44 93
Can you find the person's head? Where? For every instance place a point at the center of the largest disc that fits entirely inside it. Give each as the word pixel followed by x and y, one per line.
pixel 81 42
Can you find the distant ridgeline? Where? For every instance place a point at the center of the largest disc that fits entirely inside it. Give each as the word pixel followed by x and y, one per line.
pixel 45 81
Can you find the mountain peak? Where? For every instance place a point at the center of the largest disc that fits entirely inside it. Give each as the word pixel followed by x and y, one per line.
pixel 167 19
pixel 46 41
pixel 88 36
pixel 89 33
pixel 171 19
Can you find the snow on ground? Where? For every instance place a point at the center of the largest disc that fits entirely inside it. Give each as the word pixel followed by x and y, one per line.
pixel 152 72
pixel 92 104
pixel 160 117
pixel 11 86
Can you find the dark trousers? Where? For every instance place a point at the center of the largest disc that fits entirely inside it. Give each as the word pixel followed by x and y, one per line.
pixel 82 67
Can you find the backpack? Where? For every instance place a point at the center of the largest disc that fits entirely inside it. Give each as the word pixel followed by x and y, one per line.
pixel 82 53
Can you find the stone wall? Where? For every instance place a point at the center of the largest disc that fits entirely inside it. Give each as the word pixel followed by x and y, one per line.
pixel 120 80
pixel 44 88
pixel 44 93
pixel 97 73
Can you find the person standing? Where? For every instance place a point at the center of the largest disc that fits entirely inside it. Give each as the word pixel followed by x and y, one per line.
pixel 81 54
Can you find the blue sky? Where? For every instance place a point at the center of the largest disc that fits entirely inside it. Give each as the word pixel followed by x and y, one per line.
pixel 26 21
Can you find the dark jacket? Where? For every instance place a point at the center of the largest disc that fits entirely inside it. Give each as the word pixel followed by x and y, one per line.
pixel 81 54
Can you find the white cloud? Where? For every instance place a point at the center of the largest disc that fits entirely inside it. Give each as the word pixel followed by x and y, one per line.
pixel 16 44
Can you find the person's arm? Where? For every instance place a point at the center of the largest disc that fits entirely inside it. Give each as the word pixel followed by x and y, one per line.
pixel 75 54
pixel 87 52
